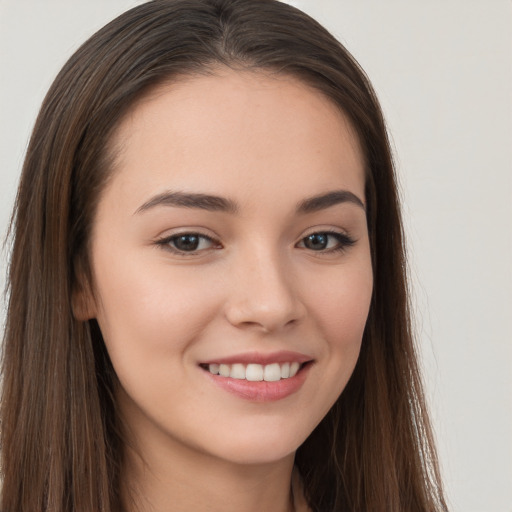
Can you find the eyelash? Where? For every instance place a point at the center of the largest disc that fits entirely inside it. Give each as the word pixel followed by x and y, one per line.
pixel 167 243
pixel 343 242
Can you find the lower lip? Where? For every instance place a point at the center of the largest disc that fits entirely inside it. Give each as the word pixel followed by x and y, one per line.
pixel 262 391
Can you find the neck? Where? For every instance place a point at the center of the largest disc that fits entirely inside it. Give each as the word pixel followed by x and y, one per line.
pixel 177 478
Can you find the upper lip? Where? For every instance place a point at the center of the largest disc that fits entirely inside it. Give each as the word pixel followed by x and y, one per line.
pixel 283 356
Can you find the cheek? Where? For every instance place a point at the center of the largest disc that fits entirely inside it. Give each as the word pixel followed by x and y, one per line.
pixel 344 312
pixel 339 304
pixel 147 311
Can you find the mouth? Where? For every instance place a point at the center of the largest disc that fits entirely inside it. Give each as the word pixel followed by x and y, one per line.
pixel 254 372
pixel 258 377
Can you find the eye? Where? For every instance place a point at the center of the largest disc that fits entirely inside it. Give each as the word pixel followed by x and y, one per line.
pixel 187 243
pixel 326 241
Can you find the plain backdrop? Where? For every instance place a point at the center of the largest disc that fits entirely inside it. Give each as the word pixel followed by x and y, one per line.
pixel 443 72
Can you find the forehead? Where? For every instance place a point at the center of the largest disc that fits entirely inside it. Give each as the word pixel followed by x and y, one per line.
pixel 237 128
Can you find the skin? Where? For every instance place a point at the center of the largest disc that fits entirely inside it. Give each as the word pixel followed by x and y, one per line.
pixel 265 143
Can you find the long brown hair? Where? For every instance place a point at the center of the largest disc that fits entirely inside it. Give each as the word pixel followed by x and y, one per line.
pixel 60 433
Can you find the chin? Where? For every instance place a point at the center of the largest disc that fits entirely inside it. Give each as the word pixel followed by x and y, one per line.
pixel 260 447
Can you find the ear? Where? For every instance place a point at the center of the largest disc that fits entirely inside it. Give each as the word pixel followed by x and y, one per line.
pixel 83 303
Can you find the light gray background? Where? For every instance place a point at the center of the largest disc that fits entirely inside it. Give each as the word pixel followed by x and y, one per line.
pixel 443 72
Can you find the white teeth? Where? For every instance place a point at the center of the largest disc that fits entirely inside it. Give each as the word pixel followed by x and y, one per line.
pixel 214 368
pixel 224 370
pixel 237 371
pixel 255 372
pixel 294 368
pixel 272 372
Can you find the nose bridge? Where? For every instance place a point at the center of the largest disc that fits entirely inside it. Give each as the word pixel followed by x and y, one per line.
pixel 264 292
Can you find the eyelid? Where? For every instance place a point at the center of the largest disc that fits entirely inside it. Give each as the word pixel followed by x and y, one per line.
pixel 345 241
pixel 165 242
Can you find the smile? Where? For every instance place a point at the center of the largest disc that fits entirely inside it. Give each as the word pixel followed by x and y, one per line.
pixel 256 372
pixel 259 377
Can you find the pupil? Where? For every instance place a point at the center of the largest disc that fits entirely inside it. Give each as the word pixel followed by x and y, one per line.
pixel 316 241
pixel 187 242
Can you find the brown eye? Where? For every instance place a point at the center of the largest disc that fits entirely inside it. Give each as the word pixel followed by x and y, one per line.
pixel 187 243
pixel 326 241
pixel 316 241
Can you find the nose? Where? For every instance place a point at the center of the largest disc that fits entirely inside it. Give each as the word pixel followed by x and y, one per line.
pixel 264 294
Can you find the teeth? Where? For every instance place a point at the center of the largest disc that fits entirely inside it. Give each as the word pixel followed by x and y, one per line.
pixel 214 368
pixel 237 371
pixel 294 368
pixel 224 370
pixel 256 372
pixel 272 372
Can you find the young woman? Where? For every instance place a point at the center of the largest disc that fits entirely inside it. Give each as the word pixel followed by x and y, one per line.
pixel 208 305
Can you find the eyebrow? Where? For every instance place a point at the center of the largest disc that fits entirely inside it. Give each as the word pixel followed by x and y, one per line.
pixel 191 200
pixel 323 201
pixel 221 204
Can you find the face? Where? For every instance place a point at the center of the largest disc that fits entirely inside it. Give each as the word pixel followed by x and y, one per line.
pixel 231 265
